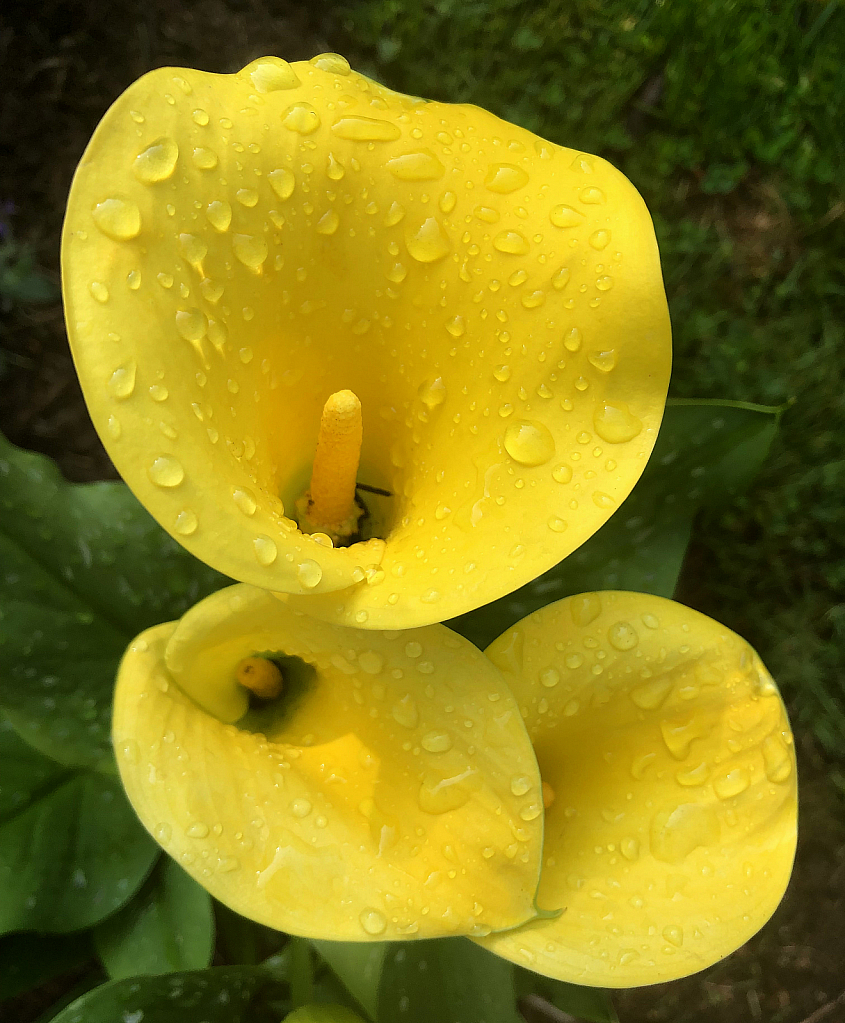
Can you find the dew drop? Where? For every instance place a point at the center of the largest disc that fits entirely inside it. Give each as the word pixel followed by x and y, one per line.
pixel 674 935
pixel 328 223
pixel 531 812
pixel 395 212
pixel 251 250
pixel 421 166
pixel 302 118
pixel 604 283
pixel 565 216
pixel 533 299
pixel 599 239
pixel 405 712
pixel 557 524
pixel 204 158
pixel 282 181
pixel 397 273
pixel 561 278
pixel 428 242
pixel 630 848
pixel 99 291
pixel 166 471
pixel 623 636
pixel 504 178
pixel 511 242
pixel 529 443
pixel 122 382
pixel 675 833
pixel 114 427
pixel 245 500
pixel 309 573
pixel 332 62
pixel 432 392
pixel 447 202
pixel 732 783
pixel 572 339
pixel 651 694
pixel 365 129
pixel 265 550
pixel 118 218
pixel 197 830
pixel 693 776
pixel 133 279
pixel 334 169
pixel 186 523
pixel 273 75
pixel 502 373
pixel 615 423
pixel 573 661
pixel 488 215
pixel 520 784
pixel 549 677
pixel 604 361
pixel 372 921
pixel 602 500
pixel 200 117
pixel 247 197
pixel 157 162
pixel 193 248
pixel 436 741
pixel 585 608
pixel 776 759
pixel 191 324
pixel 592 196
pixel 562 473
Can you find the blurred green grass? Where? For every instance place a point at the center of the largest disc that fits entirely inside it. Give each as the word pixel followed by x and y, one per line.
pixel 730 120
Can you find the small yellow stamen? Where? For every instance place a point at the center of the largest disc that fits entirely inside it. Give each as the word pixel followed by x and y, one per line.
pixel 261 677
pixel 548 795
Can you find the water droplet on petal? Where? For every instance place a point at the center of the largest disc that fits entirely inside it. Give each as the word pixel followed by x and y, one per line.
pixel 428 242
pixel 565 216
pixel 166 471
pixel 561 278
pixel 118 218
pixel 732 783
pixel 332 62
pixel 251 250
pixel 186 523
pixel 373 922
pixel 432 392
pixel 623 636
pixel 99 291
pixel 247 197
pixel 421 166
pixel 456 326
pixel 528 442
pixel 197 830
pixel 245 500
pixel 204 158
pixel 395 212
pixel 599 239
pixel 114 427
pixel 200 117
pixel 651 694
pixel 219 215
pixel 157 162
pixel 585 608
pixel 511 242
pixel 615 423
pixel 520 784
pixel 630 848
pixel 282 181
pixel 193 248
pixel 122 382
pixel 674 935
pixel 436 741
pixel 502 373
pixel 334 169
pixel 447 202
pixel 604 361
pixel 309 573
pixel 265 550
pixel 301 118
pixel 562 473
pixel 273 75
pixel 549 678
pixel 365 129
pixel 777 760
pixel 328 223
pixel 572 340
pixel 405 712
pixel 191 324
pixel 675 833
pixel 592 196
pixel 602 500
pixel 504 178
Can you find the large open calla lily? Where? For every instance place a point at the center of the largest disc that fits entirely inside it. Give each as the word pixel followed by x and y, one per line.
pixel 665 742
pixel 390 791
pixel 238 248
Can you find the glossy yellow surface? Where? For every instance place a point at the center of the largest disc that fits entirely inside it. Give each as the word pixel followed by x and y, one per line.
pixel 238 247
pixel 672 834
pixel 395 796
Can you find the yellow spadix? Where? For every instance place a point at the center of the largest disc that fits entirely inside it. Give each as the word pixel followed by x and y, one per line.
pixel 390 792
pixel 239 247
pixel 672 833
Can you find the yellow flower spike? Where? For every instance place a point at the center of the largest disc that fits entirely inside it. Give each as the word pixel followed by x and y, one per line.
pixel 672 831
pixel 239 247
pixel 391 792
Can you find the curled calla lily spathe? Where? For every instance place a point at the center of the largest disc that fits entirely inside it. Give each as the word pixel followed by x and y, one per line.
pixel 665 746
pixel 388 790
pixel 239 248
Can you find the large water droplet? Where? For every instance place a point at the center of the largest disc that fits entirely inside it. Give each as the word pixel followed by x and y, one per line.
pixel 334 63
pixel 405 711
pixel 193 248
pixel 300 808
pixel 511 242
pixel 309 573
pixel 204 158
pixel 565 216
pixel 157 162
pixel 118 218
pixel 585 608
pixel 197 830
pixel 273 75
pixel 191 324
pixel 372 921
pixel 186 523
pixel 592 196
pixel 505 177
pixel 604 361
pixel 428 242
pixel 520 784
pixel 122 382
pixel 529 442
pixel 166 471
pixel 630 848
pixel 99 291
pixel 436 741
pixel 674 935
pixel 651 694
pixel 328 223
pixel 432 392
pixel 245 500
pixel 365 129
pixel 282 181
pixel 301 118
pixel 623 636
pixel 549 677
pixel 250 249
pixel 265 550
pixel 421 166
pixel 675 833
pixel 732 783
pixel 219 215
pixel 777 760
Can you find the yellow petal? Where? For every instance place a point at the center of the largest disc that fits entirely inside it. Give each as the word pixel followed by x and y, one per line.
pixel 672 832
pixel 239 247
pixel 379 801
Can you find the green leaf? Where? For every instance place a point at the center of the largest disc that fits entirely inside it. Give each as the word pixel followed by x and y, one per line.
pixel 323 1014
pixel 359 966
pixel 73 854
pixel 223 994
pixel 584 1003
pixel 24 773
pixel 706 454
pixel 85 569
pixel 169 927
pixel 445 979
pixel 28 960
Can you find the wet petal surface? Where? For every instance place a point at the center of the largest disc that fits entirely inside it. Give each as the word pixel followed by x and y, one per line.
pixel 377 804
pixel 238 247
pixel 672 832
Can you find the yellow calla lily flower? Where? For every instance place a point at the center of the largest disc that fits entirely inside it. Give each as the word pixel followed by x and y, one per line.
pixel 667 761
pixel 242 250
pixel 391 790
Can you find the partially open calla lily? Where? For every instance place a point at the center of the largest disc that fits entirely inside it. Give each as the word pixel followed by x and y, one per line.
pixel 666 748
pixel 390 790
pixel 239 248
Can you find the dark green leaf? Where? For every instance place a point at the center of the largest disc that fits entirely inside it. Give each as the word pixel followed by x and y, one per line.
pixel 706 454
pixel 323 1014
pixel 85 569
pixel 584 1003
pixel 359 966
pixel 223 994
pixel 27 960
pixel 168 927
pixel 445 979
pixel 72 856
pixel 24 773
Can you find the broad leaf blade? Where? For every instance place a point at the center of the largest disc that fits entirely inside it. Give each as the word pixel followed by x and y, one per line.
pixel 706 454
pixel 224 994
pixel 85 569
pixel 359 966
pixel 168 927
pixel 28 960
pixel 446 979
